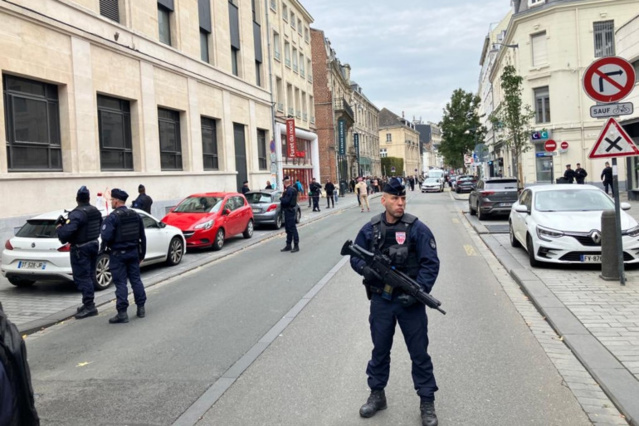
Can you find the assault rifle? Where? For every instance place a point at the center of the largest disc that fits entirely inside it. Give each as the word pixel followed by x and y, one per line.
pixel 383 267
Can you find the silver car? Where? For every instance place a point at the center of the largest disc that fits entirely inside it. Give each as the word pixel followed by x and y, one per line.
pixel 492 196
pixel 266 207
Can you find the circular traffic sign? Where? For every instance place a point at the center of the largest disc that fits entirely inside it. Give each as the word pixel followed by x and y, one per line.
pixel 609 79
pixel 564 145
pixel 550 145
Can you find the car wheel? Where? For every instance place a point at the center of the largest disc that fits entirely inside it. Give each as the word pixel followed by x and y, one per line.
pixel 278 221
pixel 176 251
pixel 471 210
pixel 219 240
pixel 20 282
pixel 480 215
pixel 531 252
pixel 248 232
pixel 103 275
pixel 298 216
pixel 457 190
pixel 514 242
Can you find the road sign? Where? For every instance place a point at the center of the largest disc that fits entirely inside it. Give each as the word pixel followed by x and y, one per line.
pixel 550 145
pixel 564 145
pixel 613 142
pixel 611 110
pixel 609 79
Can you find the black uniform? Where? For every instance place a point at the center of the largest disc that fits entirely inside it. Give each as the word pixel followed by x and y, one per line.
pixel 143 202
pixel 569 175
pixel 288 204
pixel 315 190
pixel 330 190
pixel 606 175
pixel 82 230
pixel 580 175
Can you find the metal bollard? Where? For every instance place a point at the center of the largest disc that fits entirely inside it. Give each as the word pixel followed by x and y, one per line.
pixel 609 257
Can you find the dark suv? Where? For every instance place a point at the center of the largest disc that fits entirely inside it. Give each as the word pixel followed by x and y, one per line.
pixel 493 196
pixel 465 183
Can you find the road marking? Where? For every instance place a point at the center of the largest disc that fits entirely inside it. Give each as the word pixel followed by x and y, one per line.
pixel 470 250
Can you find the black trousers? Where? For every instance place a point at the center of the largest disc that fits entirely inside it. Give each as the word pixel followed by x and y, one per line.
pixel 291 227
pixel 330 199
pixel 609 184
pixel 316 202
pixel 83 263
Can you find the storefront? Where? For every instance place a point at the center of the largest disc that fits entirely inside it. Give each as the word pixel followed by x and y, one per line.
pixel 301 161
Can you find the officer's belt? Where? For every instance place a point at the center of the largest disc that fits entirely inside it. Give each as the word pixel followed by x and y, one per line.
pixel 84 244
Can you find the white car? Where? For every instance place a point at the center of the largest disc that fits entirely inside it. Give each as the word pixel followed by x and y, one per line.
pixel 35 253
pixel 433 185
pixel 562 224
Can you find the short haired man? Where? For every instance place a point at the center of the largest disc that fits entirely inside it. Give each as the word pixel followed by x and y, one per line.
pixel 143 202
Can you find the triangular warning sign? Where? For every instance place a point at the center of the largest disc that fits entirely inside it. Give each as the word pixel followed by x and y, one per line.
pixel 613 142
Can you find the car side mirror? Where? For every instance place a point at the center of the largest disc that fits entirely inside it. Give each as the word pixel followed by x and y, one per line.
pixel 521 208
pixel 161 224
pixel 625 206
pixel 226 212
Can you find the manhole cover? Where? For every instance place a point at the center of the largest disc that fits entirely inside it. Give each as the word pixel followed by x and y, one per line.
pixel 497 229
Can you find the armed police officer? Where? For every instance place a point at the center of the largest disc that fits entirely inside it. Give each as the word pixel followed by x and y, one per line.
pixel 410 245
pixel 81 230
pixel 123 237
pixel 288 204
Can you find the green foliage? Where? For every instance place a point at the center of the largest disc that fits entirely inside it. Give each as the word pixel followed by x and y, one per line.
pixel 389 162
pixel 461 128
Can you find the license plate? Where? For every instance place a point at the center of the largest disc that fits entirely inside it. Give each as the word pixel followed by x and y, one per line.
pixel 591 258
pixel 505 204
pixel 28 264
pixel 256 210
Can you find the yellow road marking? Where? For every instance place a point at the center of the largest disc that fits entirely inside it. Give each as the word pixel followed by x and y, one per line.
pixel 470 251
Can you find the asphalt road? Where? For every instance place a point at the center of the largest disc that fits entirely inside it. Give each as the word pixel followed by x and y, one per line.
pixel 490 368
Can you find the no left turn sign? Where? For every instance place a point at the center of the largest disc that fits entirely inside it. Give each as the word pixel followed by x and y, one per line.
pixel 609 79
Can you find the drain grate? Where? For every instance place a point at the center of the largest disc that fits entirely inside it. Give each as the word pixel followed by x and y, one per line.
pixel 497 229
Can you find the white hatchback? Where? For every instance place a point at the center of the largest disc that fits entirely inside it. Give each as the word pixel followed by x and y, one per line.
pixel 35 253
pixel 562 224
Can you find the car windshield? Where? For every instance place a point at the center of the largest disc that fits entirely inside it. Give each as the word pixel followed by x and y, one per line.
pixel 38 229
pixel 199 205
pixel 435 173
pixel 431 180
pixel 568 200
pixel 258 197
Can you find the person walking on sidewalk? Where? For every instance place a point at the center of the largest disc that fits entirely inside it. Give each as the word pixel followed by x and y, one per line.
pixel 606 176
pixel 143 202
pixel 580 174
pixel 123 237
pixel 330 189
pixel 362 192
pixel 315 191
pixel 411 246
pixel 288 202
pixel 82 230
pixel 569 174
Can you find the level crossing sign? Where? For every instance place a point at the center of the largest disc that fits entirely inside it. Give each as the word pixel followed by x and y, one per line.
pixel 609 79
pixel 613 142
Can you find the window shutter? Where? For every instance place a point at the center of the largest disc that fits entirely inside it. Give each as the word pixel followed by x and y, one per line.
pixel 167 3
pixel 540 53
pixel 109 9
pixel 235 25
pixel 204 13
pixel 257 39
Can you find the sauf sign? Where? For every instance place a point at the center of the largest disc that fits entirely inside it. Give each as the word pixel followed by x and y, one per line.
pixel 290 137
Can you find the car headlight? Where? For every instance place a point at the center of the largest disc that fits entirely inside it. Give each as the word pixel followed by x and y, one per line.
pixel 205 225
pixel 548 234
pixel 632 232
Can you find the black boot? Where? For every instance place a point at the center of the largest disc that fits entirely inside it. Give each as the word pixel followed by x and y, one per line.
pixel 85 311
pixel 376 401
pixel 296 248
pixel 429 418
pixel 287 248
pixel 141 312
pixel 121 317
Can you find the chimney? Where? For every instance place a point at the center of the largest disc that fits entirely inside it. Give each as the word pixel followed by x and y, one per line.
pixel 347 72
pixel 403 114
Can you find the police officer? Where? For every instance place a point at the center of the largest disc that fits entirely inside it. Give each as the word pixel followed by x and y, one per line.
pixel 123 237
pixel 81 230
pixel 411 246
pixel 288 202
pixel 143 202
pixel 569 174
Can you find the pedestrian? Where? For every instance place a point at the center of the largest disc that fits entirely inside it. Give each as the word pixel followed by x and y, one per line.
pixel 411 182
pixel 143 202
pixel 268 185
pixel 330 189
pixel 362 193
pixel 245 188
pixel 606 176
pixel 351 186
pixel 580 174
pixel 315 191
pixel 124 239
pixel 288 203
pixel 569 174
pixel 299 187
pixel 81 230
pixel 411 247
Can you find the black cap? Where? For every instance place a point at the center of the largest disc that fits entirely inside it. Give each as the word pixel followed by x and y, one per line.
pixel 119 194
pixel 394 187
pixel 83 194
pixel 567 165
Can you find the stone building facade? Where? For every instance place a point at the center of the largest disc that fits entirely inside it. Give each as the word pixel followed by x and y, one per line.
pixel 365 134
pixel 399 138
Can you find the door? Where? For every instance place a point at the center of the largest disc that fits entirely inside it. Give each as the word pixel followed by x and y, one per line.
pixel 240 155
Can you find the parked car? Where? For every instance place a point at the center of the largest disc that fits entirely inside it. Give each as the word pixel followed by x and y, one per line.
pixel 465 184
pixel 562 224
pixel 208 219
pixel 492 196
pixel 35 253
pixel 433 185
pixel 266 207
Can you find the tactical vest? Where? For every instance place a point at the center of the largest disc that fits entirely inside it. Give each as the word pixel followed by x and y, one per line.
pixel 393 241
pixel 293 202
pixel 91 229
pixel 129 229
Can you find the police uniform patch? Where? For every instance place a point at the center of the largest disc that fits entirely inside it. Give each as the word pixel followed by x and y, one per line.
pixel 68 221
pixel 104 227
pixel 432 244
pixel 400 237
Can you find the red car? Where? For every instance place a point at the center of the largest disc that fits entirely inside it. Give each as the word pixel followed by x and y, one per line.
pixel 207 219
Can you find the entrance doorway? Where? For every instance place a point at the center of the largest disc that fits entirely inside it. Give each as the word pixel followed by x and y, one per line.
pixel 240 155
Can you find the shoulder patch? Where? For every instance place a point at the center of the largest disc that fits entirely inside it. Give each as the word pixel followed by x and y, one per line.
pixel 104 227
pixel 432 243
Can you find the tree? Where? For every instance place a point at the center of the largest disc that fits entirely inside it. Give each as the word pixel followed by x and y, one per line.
pixel 461 129
pixel 389 162
pixel 512 118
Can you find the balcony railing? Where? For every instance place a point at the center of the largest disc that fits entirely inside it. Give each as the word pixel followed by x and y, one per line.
pixel 298 114
pixel 277 55
pixel 294 67
pixel 310 78
pixel 312 119
pixel 305 115
pixel 302 74
pixel 280 107
pixel 291 111
pixel 287 62
pixel 343 106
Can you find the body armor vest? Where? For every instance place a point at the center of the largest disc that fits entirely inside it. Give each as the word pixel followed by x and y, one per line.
pixel 393 241
pixel 129 229
pixel 90 230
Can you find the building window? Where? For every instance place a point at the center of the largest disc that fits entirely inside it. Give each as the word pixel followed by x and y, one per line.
pixel 293 19
pixel 295 59
pixel 258 73
pixel 299 26
pixel 234 24
pixel 204 16
pixel 604 38
pixel 261 148
pixel 284 12
pixel 635 65
pixel 539 51
pixel 234 62
pixel 542 104
pixel 164 24
pixel 389 137
pixel 114 123
pixel 274 5
pixel 209 144
pixel 302 64
pixel 109 9
pixel 276 46
pixel 204 45
pixel 170 142
pixel 32 121
pixel 287 54
pixel 306 37
pixel 383 153
pixel 532 3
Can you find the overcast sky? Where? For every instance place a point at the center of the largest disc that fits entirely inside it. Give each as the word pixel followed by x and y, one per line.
pixel 409 55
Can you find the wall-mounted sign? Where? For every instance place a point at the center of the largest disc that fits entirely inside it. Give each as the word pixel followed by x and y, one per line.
pixel 290 137
pixel 341 136
pixel 539 136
